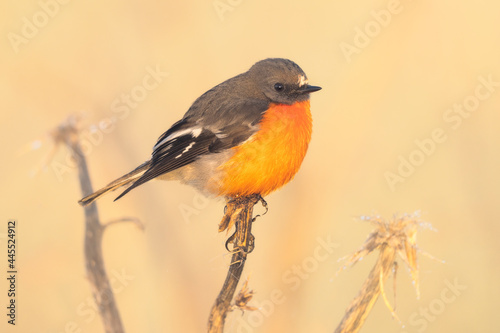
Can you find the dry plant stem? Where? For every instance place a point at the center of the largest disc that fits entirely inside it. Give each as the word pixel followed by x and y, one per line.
pixel 96 271
pixel 241 210
pixel 360 307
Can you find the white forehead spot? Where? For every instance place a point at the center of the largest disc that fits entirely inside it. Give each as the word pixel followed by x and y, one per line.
pixel 302 80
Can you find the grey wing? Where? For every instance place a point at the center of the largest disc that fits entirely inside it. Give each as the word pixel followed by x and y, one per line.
pixel 189 139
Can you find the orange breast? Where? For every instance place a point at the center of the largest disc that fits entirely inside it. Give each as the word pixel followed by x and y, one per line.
pixel 273 155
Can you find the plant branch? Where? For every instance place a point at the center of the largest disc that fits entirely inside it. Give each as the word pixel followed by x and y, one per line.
pixel 67 133
pixel 395 238
pixel 360 307
pixel 239 212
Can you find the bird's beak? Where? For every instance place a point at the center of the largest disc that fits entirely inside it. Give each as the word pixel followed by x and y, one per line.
pixel 306 89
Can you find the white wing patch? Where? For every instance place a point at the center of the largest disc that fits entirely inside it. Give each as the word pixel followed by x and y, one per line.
pixel 302 80
pixel 186 149
pixel 221 135
pixel 195 132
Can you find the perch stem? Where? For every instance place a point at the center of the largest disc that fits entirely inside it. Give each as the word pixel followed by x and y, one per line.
pixel 241 210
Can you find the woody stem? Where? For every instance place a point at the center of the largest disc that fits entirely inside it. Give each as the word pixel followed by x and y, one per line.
pixel 94 262
pixel 242 211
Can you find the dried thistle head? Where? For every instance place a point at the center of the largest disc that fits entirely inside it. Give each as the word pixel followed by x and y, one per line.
pixel 399 235
pixel 392 238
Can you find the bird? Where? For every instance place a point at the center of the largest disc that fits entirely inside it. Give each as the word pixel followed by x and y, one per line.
pixel 246 136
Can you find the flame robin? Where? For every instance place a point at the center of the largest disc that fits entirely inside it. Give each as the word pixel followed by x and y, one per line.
pixel 247 135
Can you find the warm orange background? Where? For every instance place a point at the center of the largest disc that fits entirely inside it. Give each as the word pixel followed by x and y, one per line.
pixel 373 106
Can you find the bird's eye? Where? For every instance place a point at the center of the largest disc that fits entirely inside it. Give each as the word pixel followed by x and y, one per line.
pixel 279 87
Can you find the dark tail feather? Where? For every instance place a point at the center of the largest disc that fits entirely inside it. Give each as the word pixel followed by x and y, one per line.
pixel 125 180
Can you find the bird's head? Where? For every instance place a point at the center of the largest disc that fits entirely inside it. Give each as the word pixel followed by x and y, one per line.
pixel 281 80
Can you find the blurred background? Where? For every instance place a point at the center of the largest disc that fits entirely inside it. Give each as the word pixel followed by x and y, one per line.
pixel 407 121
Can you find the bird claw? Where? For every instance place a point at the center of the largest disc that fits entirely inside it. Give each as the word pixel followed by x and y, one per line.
pixel 264 204
pixel 250 243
